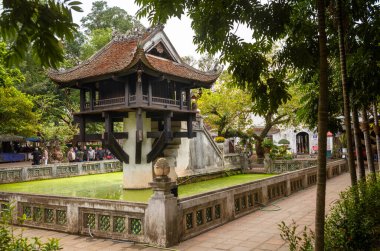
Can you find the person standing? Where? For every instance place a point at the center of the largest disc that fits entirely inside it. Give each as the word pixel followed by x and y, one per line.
pixel 101 153
pixel 85 153
pixel 71 155
pixel 79 155
pixel 45 156
pixel 97 153
pixel 91 154
pixel 36 156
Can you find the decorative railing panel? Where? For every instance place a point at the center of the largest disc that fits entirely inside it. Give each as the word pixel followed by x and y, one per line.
pixel 91 168
pixel 296 184
pixel 58 170
pixel 312 179
pixel 276 191
pixel 105 223
pixel 68 170
pixel 41 215
pixel 10 175
pixel 203 216
pixel 281 166
pixel 113 167
pixel 38 172
pixel 247 201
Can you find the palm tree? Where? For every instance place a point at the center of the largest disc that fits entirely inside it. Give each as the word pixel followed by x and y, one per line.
pixel 346 99
pixel 367 141
pixel 322 129
pixel 376 128
pixel 358 143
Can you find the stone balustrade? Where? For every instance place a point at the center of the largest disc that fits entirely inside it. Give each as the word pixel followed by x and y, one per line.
pixel 281 166
pixel 203 212
pixel 94 217
pixel 59 170
pixel 165 220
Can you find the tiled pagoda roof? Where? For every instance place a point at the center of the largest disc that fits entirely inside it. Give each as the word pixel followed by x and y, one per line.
pixel 122 54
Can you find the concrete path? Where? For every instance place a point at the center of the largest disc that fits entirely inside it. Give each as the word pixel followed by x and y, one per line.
pixel 256 231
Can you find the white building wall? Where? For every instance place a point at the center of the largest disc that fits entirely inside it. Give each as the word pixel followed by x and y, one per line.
pixel 291 135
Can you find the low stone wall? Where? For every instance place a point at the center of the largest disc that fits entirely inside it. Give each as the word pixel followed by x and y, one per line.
pixel 281 166
pixel 101 218
pixel 165 220
pixel 60 170
pixel 203 212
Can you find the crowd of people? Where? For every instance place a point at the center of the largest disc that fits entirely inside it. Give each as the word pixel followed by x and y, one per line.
pixel 77 154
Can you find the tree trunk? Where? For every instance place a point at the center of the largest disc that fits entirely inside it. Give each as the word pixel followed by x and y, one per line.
pixel 367 141
pixel 358 143
pixel 322 130
pixel 259 149
pixel 346 99
pixel 376 128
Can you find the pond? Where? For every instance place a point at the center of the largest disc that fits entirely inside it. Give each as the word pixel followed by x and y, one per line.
pixel 109 186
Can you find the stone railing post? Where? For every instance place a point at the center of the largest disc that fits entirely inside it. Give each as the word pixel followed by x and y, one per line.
pixel 304 180
pixel 264 194
pixel 161 215
pixel 268 163
pixel 288 187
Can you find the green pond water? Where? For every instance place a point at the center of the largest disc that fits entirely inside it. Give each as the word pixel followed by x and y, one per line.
pixel 109 186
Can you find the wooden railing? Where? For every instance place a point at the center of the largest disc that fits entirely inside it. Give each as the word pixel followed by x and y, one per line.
pixel 132 99
pixel 105 102
pixel 109 101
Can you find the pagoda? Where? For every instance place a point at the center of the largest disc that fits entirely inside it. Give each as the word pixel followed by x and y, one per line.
pixel 138 79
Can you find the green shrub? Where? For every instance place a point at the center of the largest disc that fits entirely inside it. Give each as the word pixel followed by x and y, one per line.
pixel 267 143
pixel 9 241
pixel 219 139
pixel 305 242
pixel 352 224
pixel 353 220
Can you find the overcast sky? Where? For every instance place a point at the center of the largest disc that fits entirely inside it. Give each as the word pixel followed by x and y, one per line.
pixel 178 31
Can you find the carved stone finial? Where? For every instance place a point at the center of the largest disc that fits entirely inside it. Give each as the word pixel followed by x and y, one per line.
pixel 161 167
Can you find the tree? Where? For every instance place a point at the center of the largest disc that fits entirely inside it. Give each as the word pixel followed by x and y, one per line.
pixel 358 143
pixel 346 99
pixel 104 17
pixel 39 25
pixel 322 129
pixel 17 116
pixel 226 109
pixel 16 109
pixel 99 26
pixel 96 40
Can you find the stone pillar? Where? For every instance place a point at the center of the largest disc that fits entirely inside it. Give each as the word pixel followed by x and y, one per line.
pixel 264 194
pixel 137 176
pixel 161 215
pixel 304 181
pixel 288 187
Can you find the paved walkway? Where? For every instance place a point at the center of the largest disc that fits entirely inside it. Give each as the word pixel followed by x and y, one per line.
pixel 256 231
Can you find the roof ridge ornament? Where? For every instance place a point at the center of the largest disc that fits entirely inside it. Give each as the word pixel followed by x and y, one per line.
pixel 134 34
